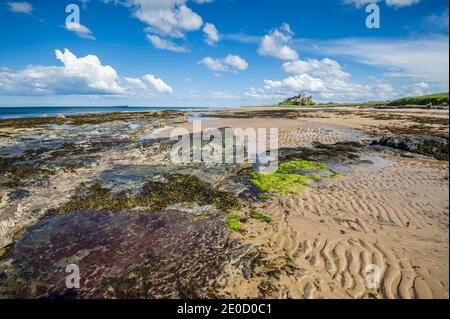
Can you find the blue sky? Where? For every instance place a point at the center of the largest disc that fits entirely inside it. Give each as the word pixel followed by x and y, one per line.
pixel 219 52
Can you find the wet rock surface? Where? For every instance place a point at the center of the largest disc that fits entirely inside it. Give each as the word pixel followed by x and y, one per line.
pixel 433 146
pixel 170 254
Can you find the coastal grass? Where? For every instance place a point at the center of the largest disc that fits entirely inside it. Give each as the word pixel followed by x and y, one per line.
pixel 431 99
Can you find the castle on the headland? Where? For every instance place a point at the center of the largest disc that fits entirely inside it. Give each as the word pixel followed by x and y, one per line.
pixel 300 100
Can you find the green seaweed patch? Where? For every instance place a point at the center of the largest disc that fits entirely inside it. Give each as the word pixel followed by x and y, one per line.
pixel 278 182
pixel 234 225
pixel 261 217
pixel 290 178
pixel 154 196
pixel 233 222
pixel 298 167
pixel 263 197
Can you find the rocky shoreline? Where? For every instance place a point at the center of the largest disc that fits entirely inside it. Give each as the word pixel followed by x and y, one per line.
pixel 99 191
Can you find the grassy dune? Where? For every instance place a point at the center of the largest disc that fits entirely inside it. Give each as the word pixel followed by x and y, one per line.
pixel 433 99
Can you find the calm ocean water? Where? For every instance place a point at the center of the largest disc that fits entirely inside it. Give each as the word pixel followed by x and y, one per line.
pixel 17 112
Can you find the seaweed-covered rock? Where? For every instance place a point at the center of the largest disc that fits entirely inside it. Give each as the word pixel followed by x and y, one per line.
pixel 245 258
pixel 168 254
pixel 432 146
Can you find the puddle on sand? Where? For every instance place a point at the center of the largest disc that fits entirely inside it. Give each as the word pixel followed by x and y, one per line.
pixel 172 254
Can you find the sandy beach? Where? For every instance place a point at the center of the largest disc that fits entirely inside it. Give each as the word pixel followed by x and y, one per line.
pixel 392 213
pixel 383 214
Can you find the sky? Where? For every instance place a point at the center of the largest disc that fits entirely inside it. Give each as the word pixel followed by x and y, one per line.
pixel 219 53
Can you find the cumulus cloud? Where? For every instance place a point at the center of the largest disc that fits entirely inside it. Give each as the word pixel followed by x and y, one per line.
pixel 158 84
pixel 236 62
pixel 163 44
pixel 171 18
pixel 324 79
pixel 78 76
pixel 20 7
pixel 214 64
pixel 211 34
pixel 81 30
pixel 389 3
pixel 416 89
pixel 276 44
pixel 322 88
pixel 230 63
pixel 322 68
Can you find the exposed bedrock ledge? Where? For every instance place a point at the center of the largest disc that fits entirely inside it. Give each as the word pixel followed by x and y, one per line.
pixel 427 145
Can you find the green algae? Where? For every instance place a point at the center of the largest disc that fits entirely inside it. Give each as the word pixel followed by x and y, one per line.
pixel 298 167
pixel 290 178
pixel 234 225
pixel 261 217
pixel 232 216
pixel 278 182
pixel 233 222
pixel 263 197
pixel 154 196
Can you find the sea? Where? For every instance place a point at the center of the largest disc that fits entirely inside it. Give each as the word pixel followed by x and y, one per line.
pixel 23 112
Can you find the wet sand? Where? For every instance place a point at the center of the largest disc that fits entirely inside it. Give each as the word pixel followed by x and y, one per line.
pixel 387 211
pixel 392 214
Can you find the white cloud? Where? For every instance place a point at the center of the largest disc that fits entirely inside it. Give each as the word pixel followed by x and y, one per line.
pixel 322 89
pixel 276 44
pixel 324 79
pixel 171 18
pixel 416 89
pixel 323 68
pixel 137 83
pixel 230 63
pixel 158 84
pixel 81 30
pixel 425 59
pixel 236 62
pixel 78 76
pixel 20 7
pixel 163 44
pixel 214 64
pixel 389 3
pixel 211 34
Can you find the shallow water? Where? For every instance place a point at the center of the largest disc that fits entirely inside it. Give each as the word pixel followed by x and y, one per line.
pixel 172 254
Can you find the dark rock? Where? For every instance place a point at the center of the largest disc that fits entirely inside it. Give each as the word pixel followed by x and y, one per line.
pixel 432 146
pixel 246 257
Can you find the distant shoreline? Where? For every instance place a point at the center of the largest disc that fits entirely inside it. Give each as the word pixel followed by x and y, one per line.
pixel 53 111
